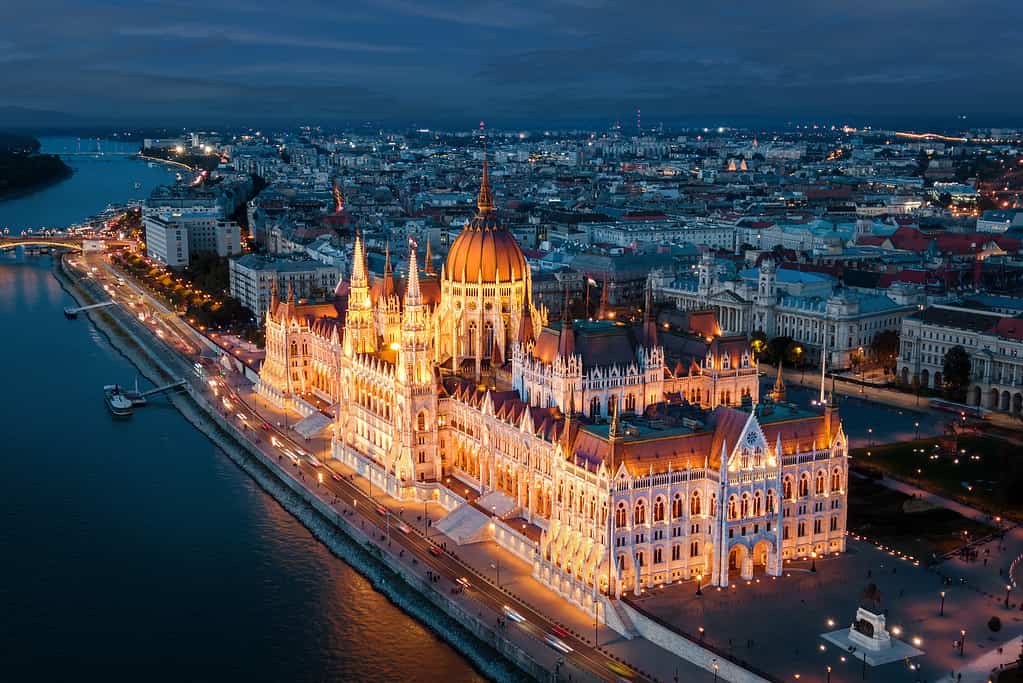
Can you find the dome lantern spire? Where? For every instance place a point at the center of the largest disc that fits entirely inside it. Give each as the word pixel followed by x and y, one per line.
pixel 485 199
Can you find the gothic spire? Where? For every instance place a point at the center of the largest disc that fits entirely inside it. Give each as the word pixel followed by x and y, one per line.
pixel 649 323
pixel 566 432
pixel 389 288
pixel 778 394
pixel 359 278
pixel 485 199
pixel 413 295
pixel 566 341
pixel 526 330
pixel 428 259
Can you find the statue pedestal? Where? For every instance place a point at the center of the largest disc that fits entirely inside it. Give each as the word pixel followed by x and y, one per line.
pixel 869 632
pixel 868 640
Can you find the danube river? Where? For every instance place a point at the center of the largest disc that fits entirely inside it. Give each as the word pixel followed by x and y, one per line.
pixel 135 549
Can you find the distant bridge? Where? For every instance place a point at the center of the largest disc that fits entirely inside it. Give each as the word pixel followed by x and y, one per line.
pixel 58 241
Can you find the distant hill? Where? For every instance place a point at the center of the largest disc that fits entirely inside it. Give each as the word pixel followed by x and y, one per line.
pixel 23 169
pixel 23 118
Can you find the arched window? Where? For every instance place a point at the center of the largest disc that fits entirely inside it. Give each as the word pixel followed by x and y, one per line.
pixel 818 487
pixel 421 421
pixel 713 504
pixel 770 501
pixel 744 458
pixel 630 403
pixel 744 506
pixel 471 341
pixel 787 488
pixel 758 457
pixel 733 513
pixel 659 509
pixel 804 485
pixel 488 339
pixel 758 507
pixel 676 506
pixel 694 504
pixel 836 480
pixel 639 516
pixel 620 516
pixel 595 406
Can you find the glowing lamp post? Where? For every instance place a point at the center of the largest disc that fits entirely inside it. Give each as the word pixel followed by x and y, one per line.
pixel 941 609
pixel 699 588
pixel 813 561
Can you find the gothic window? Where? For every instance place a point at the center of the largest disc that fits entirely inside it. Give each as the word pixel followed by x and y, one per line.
pixel 694 549
pixel 630 403
pixel 732 511
pixel 804 485
pixel 659 509
pixel 744 506
pixel 595 406
pixel 676 506
pixel 819 484
pixel 744 459
pixel 471 343
pixel 770 501
pixel 421 421
pixel 836 480
pixel 639 516
pixel 785 533
pixel 620 516
pixel 694 504
pixel 787 488
pixel 713 504
pixel 726 362
pixel 758 508
pixel 488 339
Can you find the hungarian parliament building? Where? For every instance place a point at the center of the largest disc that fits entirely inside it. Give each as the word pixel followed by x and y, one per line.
pixel 611 456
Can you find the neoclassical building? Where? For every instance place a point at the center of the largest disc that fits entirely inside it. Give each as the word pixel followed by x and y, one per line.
pixel 610 455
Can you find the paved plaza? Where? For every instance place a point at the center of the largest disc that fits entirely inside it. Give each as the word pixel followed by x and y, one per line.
pixel 776 623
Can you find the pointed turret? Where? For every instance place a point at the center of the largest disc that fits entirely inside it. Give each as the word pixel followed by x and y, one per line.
pixel 275 300
pixel 566 432
pixel 485 199
pixel 649 323
pixel 778 393
pixel 526 330
pixel 359 277
pixel 603 308
pixel 389 288
pixel 413 295
pixel 428 259
pixel 566 341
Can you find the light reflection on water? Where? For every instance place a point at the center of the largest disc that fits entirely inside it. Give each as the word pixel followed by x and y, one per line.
pixel 135 546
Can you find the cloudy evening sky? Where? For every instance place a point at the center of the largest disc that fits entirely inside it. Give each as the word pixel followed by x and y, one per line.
pixel 556 61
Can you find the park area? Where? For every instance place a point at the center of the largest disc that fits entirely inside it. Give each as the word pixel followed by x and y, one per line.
pixel 974 469
pixel 911 526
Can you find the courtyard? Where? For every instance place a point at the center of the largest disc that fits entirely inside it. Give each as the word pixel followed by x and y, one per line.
pixel 776 623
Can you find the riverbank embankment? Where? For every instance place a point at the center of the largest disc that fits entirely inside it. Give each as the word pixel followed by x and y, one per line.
pixel 406 586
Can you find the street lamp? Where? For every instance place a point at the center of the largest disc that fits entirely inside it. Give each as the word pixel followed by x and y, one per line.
pixel 916 428
pixel 701 630
pixel 962 641
pixel 699 587
pixel 829 674
pixel 1008 588
pixel 497 567
pixel 715 670
pixel 941 610
pixel 813 561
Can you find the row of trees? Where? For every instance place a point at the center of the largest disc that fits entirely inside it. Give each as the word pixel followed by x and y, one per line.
pixel 883 350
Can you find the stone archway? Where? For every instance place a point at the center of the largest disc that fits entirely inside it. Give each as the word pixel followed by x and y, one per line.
pixel 905 376
pixel 976 396
pixel 925 378
pixel 740 562
pixel 992 400
pixel 762 555
pixel 1017 403
pixel 1006 398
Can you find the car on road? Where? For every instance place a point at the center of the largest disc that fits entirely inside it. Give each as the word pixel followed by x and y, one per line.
pixel 561 631
pixel 512 614
pixel 557 643
pixel 381 510
pixel 436 551
pixel 464 582
pixel 314 461
pixel 335 476
pixel 266 427
pixel 404 528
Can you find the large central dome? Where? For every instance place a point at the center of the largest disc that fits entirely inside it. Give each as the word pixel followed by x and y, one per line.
pixel 485 251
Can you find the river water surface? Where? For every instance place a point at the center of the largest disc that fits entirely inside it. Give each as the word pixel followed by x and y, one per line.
pixel 134 549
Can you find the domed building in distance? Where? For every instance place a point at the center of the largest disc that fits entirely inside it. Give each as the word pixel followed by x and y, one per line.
pixel 611 457
pixel 486 292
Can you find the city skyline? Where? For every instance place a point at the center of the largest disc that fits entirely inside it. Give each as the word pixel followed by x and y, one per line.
pixel 400 63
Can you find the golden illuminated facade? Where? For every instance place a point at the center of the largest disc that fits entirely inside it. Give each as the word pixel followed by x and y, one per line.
pixel 595 457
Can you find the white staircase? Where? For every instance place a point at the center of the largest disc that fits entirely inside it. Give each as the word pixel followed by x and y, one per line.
pixel 464 524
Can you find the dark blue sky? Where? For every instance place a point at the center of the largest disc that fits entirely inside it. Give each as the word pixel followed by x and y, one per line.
pixel 451 62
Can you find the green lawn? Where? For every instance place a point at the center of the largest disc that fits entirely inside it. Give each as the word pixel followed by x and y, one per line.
pixel 984 472
pixel 912 527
